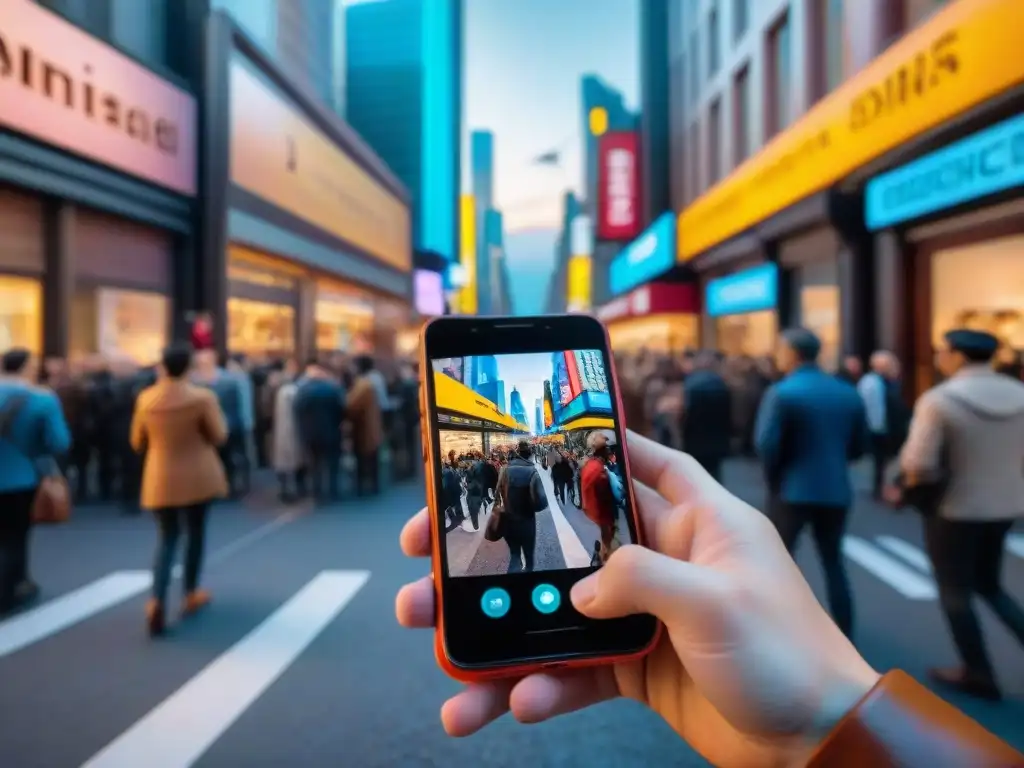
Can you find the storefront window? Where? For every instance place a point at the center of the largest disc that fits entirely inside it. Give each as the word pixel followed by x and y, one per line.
pixel 21 313
pixel 981 286
pixel 119 323
pixel 819 312
pixel 665 334
pixel 751 334
pixel 256 327
pixel 344 325
pixel 460 442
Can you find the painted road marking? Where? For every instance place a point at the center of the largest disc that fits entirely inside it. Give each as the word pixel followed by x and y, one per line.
pixel 177 732
pixel 1015 544
pixel 575 553
pixel 906 552
pixel 65 611
pixel 908 583
pixel 24 629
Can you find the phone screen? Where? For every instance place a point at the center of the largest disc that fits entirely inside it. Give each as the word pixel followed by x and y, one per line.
pixel 531 497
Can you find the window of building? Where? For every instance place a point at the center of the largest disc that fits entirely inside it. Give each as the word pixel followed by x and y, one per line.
pixel 740 19
pixel 779 77
pixel 715 141
pixel 714 56
pixel 741 115
pixel 694 67
pixel 694 164
pixel 834 74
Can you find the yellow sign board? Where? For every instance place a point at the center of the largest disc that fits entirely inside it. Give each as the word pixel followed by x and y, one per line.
pixel 450 395
pixel 279 156
pixel 578 283
pixel 967 53
pixel 467 254
pixel 598 121
pixel 589 422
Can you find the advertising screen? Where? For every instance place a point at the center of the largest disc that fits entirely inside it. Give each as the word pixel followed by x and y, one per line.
pixel 561 381
pixel 428 292
pixel 549 410
pixel 618 193
pixel 590 367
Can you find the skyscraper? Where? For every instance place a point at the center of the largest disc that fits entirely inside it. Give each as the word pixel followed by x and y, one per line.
pixel 404 97
pixel 516 408
pixel 481 150
pixel 298 34
pixel 538 416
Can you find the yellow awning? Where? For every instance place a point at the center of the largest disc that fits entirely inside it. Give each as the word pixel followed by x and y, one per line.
pixel 450 395
pixel 589 422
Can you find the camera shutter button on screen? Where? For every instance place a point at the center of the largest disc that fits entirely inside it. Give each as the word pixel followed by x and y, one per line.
pixel 495 602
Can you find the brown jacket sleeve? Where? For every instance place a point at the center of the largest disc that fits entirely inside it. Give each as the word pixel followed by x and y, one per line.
pixel 138 437
pixel 901 723
pixel 213 423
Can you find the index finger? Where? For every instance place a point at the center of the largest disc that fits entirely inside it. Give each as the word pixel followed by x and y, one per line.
pixel 415 537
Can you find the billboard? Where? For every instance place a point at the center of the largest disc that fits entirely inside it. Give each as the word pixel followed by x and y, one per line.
pixel 278 155
pixel 647 257
pixel 428 292
pixel 549 410
pixel 64 87
pixel 562 386
pixel 619 213
pixel 590 365
pixel 452 367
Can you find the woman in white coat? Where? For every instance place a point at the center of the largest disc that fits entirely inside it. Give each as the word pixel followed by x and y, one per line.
pixel 287 455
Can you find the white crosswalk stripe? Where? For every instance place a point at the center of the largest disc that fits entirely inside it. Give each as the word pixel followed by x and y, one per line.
pixel 575 553
pixel 906 551
pixel 177 732
pixel 908 582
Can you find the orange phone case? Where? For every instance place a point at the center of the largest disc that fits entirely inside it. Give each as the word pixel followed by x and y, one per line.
pixel 430 461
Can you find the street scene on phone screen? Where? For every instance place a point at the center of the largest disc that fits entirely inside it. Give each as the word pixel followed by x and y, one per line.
pixel 531 475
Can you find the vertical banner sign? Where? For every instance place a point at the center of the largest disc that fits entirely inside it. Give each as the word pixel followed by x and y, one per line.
pixel 467 254
pixel 579 276
pixel 618 186
pixel 571 368
pixel 549 409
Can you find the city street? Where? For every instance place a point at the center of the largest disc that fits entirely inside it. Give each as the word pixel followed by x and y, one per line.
pixel 299 660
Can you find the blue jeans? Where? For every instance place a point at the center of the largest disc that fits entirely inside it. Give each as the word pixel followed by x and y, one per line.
pixel 169 522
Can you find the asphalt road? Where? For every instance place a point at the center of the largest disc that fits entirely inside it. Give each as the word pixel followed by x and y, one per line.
pixel 299 661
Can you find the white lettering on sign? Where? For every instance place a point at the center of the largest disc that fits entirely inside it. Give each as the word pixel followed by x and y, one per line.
pixel 642 301
pixel 614 309
pixel 642 249
pixel 744 291
pixel 619 166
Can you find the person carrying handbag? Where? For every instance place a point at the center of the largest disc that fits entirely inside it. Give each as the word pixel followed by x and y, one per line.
pixel 33 432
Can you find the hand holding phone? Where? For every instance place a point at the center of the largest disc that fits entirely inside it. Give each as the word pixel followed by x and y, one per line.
pixel 529 491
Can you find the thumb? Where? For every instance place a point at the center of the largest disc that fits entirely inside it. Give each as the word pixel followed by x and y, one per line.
pixel 639 580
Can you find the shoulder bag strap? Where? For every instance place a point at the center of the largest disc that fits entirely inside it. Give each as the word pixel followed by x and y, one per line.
pixel 9 412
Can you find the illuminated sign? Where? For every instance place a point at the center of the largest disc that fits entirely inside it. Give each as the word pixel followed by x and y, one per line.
pixel 598 121
pixel 648 256
pixel 467 254
pixel 579 284
pixel 618 191
pixel 751 290
pixel 278 155
pixel 63 87
pixel 990 161
pixel 966 53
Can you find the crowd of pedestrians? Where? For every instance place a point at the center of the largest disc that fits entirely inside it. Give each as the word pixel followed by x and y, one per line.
pixel 177 437
pixel 956 457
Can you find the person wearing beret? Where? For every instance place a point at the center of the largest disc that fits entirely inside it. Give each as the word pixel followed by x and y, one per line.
pixel 962 466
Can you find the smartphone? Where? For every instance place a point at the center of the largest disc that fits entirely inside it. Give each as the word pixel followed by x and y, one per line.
pixel 528 489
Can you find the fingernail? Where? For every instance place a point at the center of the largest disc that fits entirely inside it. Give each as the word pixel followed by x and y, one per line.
pixel 584 592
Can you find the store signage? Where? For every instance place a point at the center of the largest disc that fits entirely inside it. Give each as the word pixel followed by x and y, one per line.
pixel 618 190
pixel 990 161
pixel 61 86
pixel 428 292
pixel 651 254
pixel 966 53
pixel 578 282
pixel 467 255
pixel 751 290
pixel 278 155
pixel 653 299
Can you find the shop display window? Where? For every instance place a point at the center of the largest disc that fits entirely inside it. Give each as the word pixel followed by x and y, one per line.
pixel 752 334
pixel 21 313
pixel 819 313
pixel 460 442
pixel 981 286
pixel 670 334
pixel 119 323
pixel 256 327
pixel 344 325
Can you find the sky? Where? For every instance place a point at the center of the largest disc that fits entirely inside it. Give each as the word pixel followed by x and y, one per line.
pixel 524 60
pixel 527 373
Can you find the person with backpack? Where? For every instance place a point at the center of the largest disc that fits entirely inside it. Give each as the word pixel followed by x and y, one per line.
pixel 32 430
pixel 523 497
pixel 602 491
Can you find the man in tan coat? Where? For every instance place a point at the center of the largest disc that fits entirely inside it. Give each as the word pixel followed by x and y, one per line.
pixel 178 427
pixel 363 409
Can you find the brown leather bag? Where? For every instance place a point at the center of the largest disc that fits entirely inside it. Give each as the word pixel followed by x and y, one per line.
pixel 52 504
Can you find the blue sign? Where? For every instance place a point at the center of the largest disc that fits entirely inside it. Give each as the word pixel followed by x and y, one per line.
pixel 751 290
pixel 651 254
pixel 586 402
pixel 989 161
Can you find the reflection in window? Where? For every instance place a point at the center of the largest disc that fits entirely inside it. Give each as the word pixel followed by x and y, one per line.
pixel 21 313
pixel 257 327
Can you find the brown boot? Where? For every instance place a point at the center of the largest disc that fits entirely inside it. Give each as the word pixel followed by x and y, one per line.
pixel 155 619
pixel 194 601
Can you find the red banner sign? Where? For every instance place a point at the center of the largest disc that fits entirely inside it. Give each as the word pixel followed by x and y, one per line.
pixel 618 186
pixel 653 299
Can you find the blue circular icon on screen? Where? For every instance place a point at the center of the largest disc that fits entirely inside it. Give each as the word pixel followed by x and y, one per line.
pixel 495 602
pixel 546 598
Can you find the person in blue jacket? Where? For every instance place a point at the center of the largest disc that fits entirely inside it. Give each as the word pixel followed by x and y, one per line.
pixel 32 429
pixel 810 425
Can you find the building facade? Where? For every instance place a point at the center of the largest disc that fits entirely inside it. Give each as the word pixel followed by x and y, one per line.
pixel 772 112
pixel 404 97
pixel 98 175
pixel 481 180
pixel 557 300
